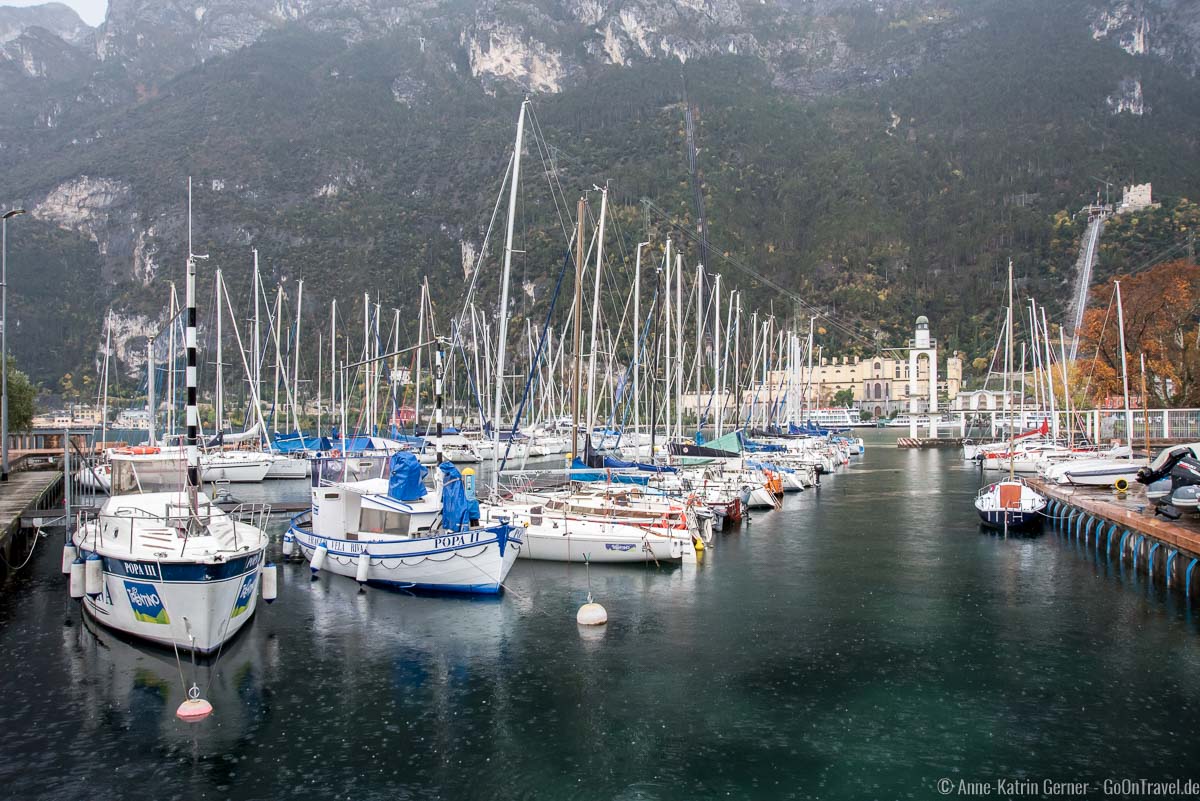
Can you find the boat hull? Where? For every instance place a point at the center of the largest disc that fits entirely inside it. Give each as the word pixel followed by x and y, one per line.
pixel 168 603
pixel 470 562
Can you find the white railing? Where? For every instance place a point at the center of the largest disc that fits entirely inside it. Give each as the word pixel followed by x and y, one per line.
pixel 1098 425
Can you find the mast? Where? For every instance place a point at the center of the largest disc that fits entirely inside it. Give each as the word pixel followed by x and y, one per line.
pixel 420 333
pixel 737 360
pixel 578 328
pixel 679 346
pixel 718 351
pixel 192 419
pixel 219 395
pixel 257 345
pixel 1008 361
pixel 502 342
pixel 278 356
pixel 1050 376
pixel 333 370
pixel 699 337
pixel 295 399
pixel 637 347
pixel 668 395
pixel 591 417
pixel 1124 367
pixel 107 351
pixel 150 389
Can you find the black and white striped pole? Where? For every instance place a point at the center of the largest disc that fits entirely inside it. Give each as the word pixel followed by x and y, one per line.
pixel 192 412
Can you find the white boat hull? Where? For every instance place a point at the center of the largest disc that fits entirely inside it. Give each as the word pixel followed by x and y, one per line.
pixel 172 602
pixel 475 561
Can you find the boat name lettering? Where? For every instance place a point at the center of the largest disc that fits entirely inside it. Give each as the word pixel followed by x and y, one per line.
pixel 625 546
pixel 141 570
pixel 456 540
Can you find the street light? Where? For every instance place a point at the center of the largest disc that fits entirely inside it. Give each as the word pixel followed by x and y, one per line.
pixel 4 340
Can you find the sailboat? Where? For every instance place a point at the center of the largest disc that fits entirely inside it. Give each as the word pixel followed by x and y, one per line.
pixel 160 561
pixel 1010 504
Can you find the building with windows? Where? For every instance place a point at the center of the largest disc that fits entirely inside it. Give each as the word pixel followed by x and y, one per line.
pixel 893 381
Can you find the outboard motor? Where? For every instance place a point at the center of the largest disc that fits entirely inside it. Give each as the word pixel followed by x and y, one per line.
pixel 1168 478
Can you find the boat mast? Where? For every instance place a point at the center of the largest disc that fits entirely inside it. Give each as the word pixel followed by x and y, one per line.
pixel 1008 365
pixel 637 348
pixel 502 339
pixel 420 334
pixel 668 388
pixel 150 389
pixel 582 208
pixel 192 415
pixel 1124 367
pixel 107 351
pixel 295 399
pixel 718 351
pixel 333 371
pixel 679 368
pixel 591 416
pixel 219 396
pixel 1050 375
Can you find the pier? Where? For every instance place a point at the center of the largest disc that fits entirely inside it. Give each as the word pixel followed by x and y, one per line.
pixel 26 493
pixel 1124 525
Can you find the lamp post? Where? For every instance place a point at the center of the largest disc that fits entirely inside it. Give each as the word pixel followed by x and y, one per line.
pixel 4 340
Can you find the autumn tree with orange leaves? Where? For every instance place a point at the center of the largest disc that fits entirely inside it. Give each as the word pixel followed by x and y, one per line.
pixel 1161 306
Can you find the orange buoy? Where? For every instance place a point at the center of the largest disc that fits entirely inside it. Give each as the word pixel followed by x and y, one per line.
pixel 194 710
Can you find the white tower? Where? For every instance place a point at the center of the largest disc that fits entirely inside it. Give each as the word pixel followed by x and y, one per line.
pixel 922 345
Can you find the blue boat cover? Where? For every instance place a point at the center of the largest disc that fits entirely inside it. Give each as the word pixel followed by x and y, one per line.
pixel 292 443
pixel 617 464
pixel 404 484
pixel 758 447
pixel 457 509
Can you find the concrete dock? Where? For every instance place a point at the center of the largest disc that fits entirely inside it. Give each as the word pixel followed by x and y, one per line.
pixel 1123 525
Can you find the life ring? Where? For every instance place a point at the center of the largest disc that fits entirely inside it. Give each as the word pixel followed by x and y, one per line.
pixel 1121 484
pixel 144 450
pixel 335 454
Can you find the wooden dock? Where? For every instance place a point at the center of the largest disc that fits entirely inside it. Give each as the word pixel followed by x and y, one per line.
pixel 24 494
pixel 1124 525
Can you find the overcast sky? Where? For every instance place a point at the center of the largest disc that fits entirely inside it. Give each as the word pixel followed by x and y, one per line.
pixel 92 11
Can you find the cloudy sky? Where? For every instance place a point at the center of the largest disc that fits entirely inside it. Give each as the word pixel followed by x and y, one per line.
pixel 92 11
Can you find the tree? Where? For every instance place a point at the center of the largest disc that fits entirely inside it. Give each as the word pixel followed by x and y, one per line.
pixel 843 397
pixel 1159 306
pixel 22 395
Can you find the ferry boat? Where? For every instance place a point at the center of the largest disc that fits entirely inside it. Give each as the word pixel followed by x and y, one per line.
pixel 834 417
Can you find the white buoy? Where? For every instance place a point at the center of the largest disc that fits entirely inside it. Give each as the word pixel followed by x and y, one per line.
pixel 591 614
pixel 270 583
pixel 68 557
pixel 77 582
pixel 289 544
pixel 318 559
pixel 364 566
pixel 93 574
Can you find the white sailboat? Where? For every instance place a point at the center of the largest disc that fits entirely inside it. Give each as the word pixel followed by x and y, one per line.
pixel 159 561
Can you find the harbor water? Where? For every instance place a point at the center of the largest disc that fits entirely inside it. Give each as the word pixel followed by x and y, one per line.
pixel 866 641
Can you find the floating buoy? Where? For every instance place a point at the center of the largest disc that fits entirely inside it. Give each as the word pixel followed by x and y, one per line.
pixel 68 559
pixel 289 544
pixel 77 582
pixel 318 559
pixel 364 565
pixel 195 708
pixel 93 574
pixel 591 614
pixel 270 583
pixel 697 543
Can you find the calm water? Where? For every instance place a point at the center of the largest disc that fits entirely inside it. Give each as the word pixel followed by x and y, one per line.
pixel 863 643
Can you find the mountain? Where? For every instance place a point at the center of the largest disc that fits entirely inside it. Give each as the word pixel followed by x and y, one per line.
pixel 878 159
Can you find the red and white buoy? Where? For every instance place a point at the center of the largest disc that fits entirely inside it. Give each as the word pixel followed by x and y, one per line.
pixel 195 708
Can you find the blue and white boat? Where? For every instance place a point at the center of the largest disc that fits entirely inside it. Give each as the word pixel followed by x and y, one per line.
pixel 383 544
